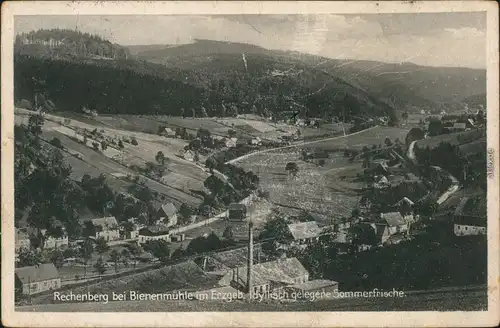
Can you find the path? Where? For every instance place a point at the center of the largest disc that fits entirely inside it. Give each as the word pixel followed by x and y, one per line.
pixel 297 145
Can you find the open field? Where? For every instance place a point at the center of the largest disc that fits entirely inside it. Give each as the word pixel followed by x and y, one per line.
pixel 368 137
pixel 458 138
pixel 184 178
pixel 314 189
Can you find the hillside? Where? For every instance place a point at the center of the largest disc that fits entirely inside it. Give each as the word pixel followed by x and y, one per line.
pixel 67 43
pixel 405 85
pixel 262 86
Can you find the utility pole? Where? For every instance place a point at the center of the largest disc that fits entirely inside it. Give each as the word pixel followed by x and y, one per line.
pixel 250 261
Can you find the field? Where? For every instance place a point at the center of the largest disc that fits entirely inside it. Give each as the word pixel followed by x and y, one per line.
pixel 459 138
pixel 314 189
pixel 331 189
pixel 184 178
pixel 368 137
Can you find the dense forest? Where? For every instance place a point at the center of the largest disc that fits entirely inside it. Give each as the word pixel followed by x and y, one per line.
pixel 73 70
pixel 132 87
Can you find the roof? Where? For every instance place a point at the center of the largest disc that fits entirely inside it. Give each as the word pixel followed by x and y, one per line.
pixel 393 219
pixel 472 210
pixel 169 209
pixel 405 200
pixel 224 261
pixel 159 229
pixel 45 271
pixel 304 230
pixel 315 284
pixel 21 235
pixel 106 222
pixel 281 271
pixel 459 126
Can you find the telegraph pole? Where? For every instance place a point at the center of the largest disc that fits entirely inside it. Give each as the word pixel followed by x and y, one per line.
pixel 250 261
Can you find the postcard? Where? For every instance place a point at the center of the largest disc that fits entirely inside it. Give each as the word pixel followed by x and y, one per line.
pixel 274 164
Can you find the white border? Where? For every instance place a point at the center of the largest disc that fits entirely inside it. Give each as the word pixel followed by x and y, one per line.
pixel 219 319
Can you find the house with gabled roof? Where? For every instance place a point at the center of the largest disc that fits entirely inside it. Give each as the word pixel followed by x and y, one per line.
pixel 470 216
pixel 107 228
pixel 167 214
pixel 304 232
pixel 154 232
pixel 38 278
pixel 395 222
pixel 22 240
pixel 268 276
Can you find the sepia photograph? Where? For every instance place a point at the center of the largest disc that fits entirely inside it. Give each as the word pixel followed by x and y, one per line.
pixel 239 158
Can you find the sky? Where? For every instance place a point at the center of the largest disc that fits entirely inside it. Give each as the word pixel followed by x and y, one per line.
pixel 432 39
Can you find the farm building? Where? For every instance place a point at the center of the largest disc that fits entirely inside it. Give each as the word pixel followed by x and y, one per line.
pixel 188 155
pixel 458 127
pixel 169 132
pixel 36 279
pixel 304 232
pixel 51 242
pixel 268 276
pixel 157 232
pixel 107 228
pixel 470 217
pixel 395 222
pixel 405 206
pixel 223 262
pixel 22 240
pixel 237 212
pixel 167 214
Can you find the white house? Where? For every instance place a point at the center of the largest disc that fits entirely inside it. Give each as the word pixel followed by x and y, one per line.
pixel 35 279
pixel 51 242
pixel 157 232
pixel 22 240
pixel 167 214
pixel 304 232
pixel 107 228
pixel 470 217
pixel 188 155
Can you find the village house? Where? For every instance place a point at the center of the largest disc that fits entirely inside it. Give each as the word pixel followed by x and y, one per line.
pixel 304 232
pixel 256 141
pixel 169 133
pixel 156 232
pixel 237 212
pixel 267 277
pixel 470 217
pixel 230 142
pixel 381 182
pixel 22 240
pixel 167 214
pixel 405 207
pixel 458 127
pixel 395 222
pixel 222 262
pixel 107 228
pixel 51 242
pixel 36 279
pixel 188 155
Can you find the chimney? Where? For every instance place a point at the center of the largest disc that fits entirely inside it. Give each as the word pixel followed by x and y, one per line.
pixel 250 260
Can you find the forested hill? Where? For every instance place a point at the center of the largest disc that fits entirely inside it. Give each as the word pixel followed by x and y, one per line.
pixel 67 43
pixel 405 86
